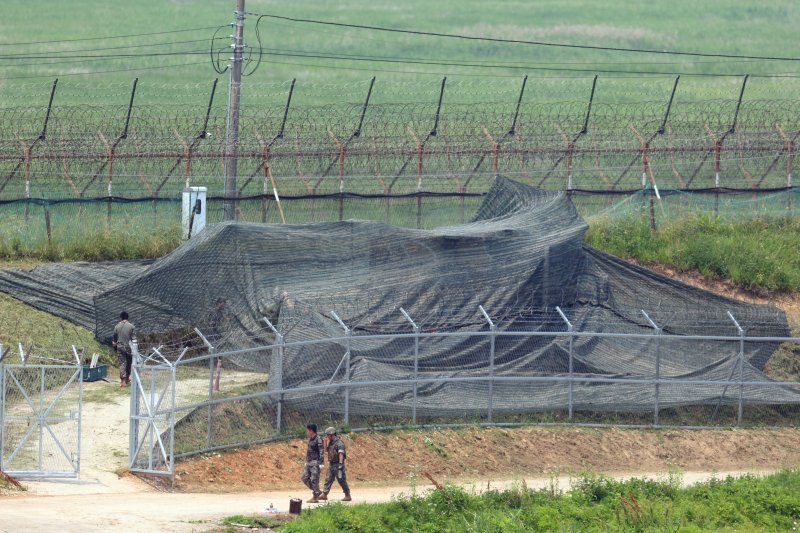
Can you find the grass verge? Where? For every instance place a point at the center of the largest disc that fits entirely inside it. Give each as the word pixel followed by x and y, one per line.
pixel 757 254
pixel 595 503
pixel 35 329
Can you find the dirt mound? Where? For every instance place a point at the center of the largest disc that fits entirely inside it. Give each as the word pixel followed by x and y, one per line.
pixel 497 453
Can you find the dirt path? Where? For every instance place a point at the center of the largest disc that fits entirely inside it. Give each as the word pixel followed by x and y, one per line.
pixel 155 511
pixel 104 442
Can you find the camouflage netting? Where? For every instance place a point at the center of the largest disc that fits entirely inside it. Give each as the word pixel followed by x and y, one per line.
pixel 519 257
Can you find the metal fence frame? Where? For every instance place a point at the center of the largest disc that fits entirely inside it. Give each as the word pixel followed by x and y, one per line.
pixel 40 419
pixel 164 457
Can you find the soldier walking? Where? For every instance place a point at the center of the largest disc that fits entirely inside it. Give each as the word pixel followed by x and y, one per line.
pixel 315 459
pixel 124 333
pixel 336 459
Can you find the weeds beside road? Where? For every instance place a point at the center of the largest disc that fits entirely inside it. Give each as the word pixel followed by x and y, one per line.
pixel 595 503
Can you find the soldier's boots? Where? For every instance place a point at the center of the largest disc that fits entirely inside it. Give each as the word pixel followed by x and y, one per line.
pixel 316 498
pixel 323 496
pixel 347 498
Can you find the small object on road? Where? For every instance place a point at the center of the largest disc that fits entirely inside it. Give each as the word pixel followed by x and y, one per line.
pixel 271 510
pixel 295 506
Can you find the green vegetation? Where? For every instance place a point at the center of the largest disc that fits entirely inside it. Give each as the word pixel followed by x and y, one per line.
pixel 595 503
pixel 88 232
pixel 760 29
pixel 253 521
pixel 757 254
pixel 33 328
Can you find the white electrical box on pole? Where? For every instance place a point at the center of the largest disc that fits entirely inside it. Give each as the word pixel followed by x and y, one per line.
pixel 232 129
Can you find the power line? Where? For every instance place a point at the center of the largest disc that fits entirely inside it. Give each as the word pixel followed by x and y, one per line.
pixel 125 47
pixel 518 41
pixel 107 56
pixel 379 59
pixel 111 36
pixel 621 74
pixel 540 62
pixel 135 69
pixel 625 62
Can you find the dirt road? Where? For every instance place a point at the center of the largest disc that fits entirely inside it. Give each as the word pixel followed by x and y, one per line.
pixel 150 511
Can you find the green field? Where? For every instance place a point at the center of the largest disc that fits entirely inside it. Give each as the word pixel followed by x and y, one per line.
pixel 730 27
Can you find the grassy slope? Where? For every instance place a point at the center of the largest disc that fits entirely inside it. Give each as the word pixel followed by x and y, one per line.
pixel 762 255
pixel 20 322
pixel 683 24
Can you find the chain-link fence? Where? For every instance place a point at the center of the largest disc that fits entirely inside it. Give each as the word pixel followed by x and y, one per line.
pixel 40 413
pixel 539 369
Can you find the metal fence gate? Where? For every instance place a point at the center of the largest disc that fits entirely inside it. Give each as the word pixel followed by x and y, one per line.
pixel 152 420
pixel 40 419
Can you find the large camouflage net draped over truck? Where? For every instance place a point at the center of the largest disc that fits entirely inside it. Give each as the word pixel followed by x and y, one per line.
pixel 519 257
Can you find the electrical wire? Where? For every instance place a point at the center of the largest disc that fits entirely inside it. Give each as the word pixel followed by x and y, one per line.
pixel 103 49
pixel 518 41
pixel 379 59
pixel 107 56
pixel 627 62
pixel 134 69
pixel 215 63
pixel 111 36
pixel 495 62
pixel 417 61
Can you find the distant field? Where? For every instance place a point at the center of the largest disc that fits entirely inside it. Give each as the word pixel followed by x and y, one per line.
pixel 731 27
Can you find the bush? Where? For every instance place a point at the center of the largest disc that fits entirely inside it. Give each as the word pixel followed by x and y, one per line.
pixel 595 503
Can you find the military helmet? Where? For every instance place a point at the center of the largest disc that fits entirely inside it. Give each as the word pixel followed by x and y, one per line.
pixel 330 431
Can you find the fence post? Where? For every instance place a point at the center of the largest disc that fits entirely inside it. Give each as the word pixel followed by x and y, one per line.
pixel 133 426
pixel 174 377
pixel 27 156
pixel 3 352
pixel 492 330
pixel 741 368
pixel 341 149
pixel 277 374
pixel 789 145
pixel 47 226
pixel 348 333
pixel 657 333
pixel 416 366
pixel 420 153
pixel 571 360
pixel 211 351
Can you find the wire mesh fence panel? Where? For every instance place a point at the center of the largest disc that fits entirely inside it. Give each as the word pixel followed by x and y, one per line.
pixel 769 410
pixel 40 417
pixel 152 419
pixel 504 372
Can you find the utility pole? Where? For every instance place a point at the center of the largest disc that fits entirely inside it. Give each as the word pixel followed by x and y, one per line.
pixel 232 131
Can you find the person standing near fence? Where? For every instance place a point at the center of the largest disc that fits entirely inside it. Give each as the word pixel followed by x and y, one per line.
pixel 124 333
pixel 315 460
pixel 337 455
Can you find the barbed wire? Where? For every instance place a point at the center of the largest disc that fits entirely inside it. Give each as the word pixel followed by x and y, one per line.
pixel 561 145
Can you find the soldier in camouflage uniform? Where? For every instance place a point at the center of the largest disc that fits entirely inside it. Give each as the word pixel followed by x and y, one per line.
pixel 315 459
pixel 336 458
pixel 124 333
